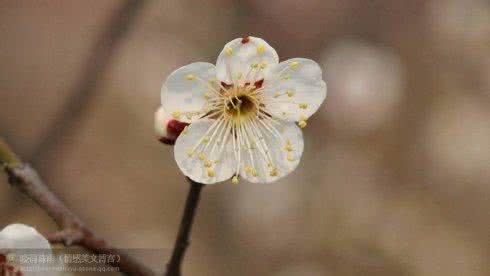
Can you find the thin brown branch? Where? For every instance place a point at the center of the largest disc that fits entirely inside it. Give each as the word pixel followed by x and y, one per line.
pixel 84 90
pixel 182 242
pixel 73 230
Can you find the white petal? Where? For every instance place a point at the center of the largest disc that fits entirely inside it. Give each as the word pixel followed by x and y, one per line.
pixel 236 59
pixel 222 163
pixel 284 158
pixel 295 89
pixel 21 236
pixel 184 90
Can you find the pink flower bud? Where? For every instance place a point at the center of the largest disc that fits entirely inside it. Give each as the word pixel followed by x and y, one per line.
pixel 166 127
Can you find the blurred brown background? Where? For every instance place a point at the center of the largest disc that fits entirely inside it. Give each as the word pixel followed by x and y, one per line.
pixel 395 173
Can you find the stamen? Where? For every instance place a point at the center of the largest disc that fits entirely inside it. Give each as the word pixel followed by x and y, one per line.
pixel 210 172
pixel 247 144
pixel 303 105
pixel 261 145
pixel 260 49
pixel 228 51
pixel 239 142
pixel 293 65
pixel 194 148
pixel 207 84
pixel 302 124
pixel 225 140
pixel 273 172
pixel 202 156
pixel 217 141
pixel 176 114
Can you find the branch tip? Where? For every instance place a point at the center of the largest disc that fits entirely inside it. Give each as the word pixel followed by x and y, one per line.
pixel 7 155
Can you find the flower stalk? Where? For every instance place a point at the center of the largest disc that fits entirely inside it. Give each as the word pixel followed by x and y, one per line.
pixel 182 241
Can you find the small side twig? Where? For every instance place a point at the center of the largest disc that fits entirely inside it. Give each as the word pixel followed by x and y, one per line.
pixel 182 241
pixel 73 230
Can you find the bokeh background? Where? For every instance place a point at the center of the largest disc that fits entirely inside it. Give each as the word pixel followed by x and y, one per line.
pixel 395 175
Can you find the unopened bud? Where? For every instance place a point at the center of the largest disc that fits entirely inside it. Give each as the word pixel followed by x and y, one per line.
pixel 167 128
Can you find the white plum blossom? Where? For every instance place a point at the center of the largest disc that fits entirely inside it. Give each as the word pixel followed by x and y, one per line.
pixel 242 112
pixel 17 240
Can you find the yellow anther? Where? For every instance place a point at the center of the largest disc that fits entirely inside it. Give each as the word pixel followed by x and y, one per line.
pixel 286 77
pixel 273 172
pixel 277 94
pixel 303 105
pixel 294 64
pixel 188 115
pixel 302 124
pixel 270 165
pixel 206 95
pixel 190 77
pixel 290 93
pixel 207 164
pixel 235 179
pixel 176 114
pixel 260 49
pixel 228 51
pixel 262 65
pixel 202 156
pixel 190 152
pixel 288 147
pixel 283 113
pixel 255 173
pixel 185 130
pixel 205 140
pixel 254 65
pixel 248 169
pixel 290 157
pixel 210 172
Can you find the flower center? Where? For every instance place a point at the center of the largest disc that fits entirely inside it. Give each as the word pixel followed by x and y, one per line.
pixel 242 105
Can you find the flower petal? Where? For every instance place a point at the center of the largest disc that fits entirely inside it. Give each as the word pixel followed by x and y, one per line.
pixel 294 89
pixel 244 59
pixel 285 146
pixel 183 93
pixel 21 236
pixel 202 156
